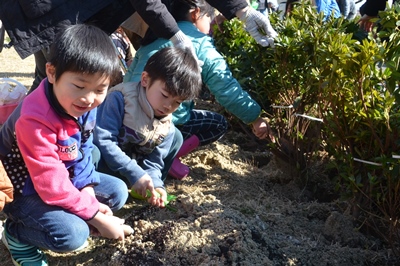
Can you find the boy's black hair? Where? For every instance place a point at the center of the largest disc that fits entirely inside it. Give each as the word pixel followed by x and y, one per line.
pixel 180 8
pixel 179 70
pixel 84 48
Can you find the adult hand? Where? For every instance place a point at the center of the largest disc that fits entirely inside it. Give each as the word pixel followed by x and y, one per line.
pixel 254 23
pixel 365 23
pixel 182 41
pixel 273 4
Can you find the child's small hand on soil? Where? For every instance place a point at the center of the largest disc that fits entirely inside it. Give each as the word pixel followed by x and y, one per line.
pixel 127 229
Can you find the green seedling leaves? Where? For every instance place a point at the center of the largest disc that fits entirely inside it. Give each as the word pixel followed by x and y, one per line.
pixel 170 198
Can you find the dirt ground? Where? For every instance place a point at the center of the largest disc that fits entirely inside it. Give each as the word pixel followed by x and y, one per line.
pixel 239 206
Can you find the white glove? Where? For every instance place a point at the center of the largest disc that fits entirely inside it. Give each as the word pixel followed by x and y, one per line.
pixel 273 4
pixel 182 41
pixel 253 21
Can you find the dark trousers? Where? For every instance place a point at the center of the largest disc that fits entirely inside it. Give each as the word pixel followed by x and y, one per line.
pixel 206 125
pixel 40 68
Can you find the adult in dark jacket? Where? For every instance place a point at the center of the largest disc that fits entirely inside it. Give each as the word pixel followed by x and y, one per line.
pixel 32 26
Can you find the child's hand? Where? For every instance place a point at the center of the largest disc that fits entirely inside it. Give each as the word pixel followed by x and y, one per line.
pixel 127 229
pixel 108 226
pixel 90 190
pixel 160 199
pixel 105 209
pixel 143 184
pixel 159 194
pixel 262 129
pixel 157 197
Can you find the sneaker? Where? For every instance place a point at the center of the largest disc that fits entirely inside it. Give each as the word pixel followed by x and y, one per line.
pixel 23 254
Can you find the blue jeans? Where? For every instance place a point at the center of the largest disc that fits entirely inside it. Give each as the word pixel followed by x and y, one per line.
pixel 36 223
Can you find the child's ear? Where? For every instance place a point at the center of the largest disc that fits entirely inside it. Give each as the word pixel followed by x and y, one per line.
pixel 51 73
pixel 145 79
pixel 195 14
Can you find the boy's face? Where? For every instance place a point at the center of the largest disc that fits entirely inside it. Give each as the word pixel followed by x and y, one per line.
pixel 162 102
pixel 76 92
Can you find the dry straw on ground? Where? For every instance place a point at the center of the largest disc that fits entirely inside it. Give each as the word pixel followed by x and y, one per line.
pixel 12 66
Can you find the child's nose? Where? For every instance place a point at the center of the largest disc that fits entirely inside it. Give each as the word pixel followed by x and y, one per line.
pixel 88 98
pixel 168 105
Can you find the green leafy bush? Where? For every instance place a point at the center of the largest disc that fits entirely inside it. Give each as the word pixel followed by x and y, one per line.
pixel 331 93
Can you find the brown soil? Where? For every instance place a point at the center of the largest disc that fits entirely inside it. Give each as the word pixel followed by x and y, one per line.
pixel 239 206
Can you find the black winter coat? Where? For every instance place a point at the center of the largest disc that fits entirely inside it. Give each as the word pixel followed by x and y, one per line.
pixel 372 7
pixel 33 24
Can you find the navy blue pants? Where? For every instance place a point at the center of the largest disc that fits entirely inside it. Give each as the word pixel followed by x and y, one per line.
pixel 206 125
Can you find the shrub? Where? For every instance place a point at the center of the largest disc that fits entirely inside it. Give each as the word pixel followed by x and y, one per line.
pixel 331 93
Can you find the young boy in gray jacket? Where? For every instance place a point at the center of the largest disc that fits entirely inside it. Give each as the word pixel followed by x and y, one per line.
pixel 134 131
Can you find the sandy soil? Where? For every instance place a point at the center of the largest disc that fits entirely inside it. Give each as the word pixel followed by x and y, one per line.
pixel 239 206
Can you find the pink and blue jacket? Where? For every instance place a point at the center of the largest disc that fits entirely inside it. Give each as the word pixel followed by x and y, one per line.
pixel 49 152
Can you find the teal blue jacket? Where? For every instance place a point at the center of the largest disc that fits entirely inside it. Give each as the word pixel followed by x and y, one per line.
pixel 215 74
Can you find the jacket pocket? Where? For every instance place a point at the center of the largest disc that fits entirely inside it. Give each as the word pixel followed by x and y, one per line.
pixel 37 8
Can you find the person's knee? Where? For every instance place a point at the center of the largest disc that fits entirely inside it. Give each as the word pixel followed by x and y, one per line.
pixel 176 143
pixel 74 234
pixel 120 195
pixel 222 124
pixel 178 138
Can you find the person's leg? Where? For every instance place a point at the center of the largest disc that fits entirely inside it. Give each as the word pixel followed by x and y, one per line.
pixel 176 145
pixel 102 167
pixel 31 223
pixel 40 67
pixel 178 169
pixel 206 125
pixel 111 191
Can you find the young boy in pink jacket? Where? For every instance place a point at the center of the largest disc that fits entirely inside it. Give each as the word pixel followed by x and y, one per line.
pixel 46 149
